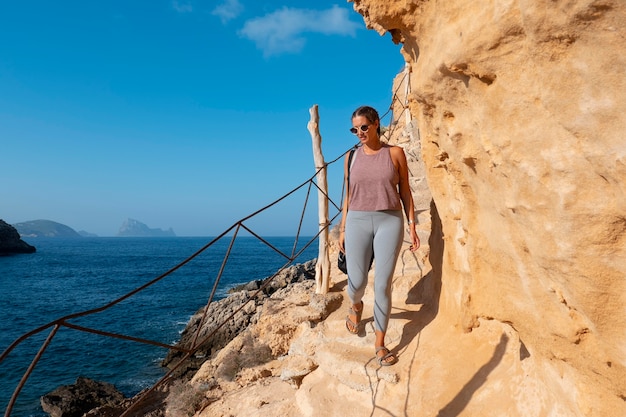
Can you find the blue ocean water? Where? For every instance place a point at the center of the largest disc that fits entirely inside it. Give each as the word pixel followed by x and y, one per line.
pixel 67 276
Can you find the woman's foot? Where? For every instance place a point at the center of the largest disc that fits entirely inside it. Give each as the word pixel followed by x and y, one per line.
pixel 385 357
pixel 353 320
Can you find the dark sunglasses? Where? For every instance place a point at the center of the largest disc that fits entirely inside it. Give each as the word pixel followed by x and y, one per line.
pixel 363 128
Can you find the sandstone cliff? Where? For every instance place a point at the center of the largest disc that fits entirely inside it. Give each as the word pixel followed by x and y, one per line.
pixel 514 306
pixel 521 110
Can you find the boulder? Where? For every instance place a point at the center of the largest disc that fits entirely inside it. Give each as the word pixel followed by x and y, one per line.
pixel 77 399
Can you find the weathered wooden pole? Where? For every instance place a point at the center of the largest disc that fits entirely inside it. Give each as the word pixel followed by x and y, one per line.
pixel 322 269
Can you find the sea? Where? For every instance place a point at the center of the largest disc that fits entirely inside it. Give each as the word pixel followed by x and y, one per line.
pixel 67 276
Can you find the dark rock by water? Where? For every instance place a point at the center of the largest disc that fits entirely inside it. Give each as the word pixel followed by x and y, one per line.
pixel 77 399
pixel 10 241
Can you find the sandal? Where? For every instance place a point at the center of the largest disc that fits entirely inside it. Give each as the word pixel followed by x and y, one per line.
pixel 353 327
pixel 386 359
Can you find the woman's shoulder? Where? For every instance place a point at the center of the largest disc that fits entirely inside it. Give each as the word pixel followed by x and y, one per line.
pixel 397 154
pixel 394 149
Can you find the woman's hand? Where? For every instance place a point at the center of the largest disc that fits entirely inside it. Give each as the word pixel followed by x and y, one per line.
pixel 415 240
pixel 340 242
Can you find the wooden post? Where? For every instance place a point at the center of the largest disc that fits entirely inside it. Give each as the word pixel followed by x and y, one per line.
pixel 322 269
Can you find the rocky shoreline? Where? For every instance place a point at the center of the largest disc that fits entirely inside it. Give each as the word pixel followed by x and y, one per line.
pixel 244 304
pixel 235 313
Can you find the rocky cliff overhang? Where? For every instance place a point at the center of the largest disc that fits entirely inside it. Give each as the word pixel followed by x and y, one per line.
pixel 521 112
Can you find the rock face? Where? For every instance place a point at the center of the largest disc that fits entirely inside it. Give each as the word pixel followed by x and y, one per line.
pixel 520 108
pixel 10 241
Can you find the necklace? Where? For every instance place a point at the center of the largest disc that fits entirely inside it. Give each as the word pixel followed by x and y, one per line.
pixel 371 150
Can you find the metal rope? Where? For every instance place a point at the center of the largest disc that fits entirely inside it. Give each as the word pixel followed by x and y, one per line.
pixel 64 321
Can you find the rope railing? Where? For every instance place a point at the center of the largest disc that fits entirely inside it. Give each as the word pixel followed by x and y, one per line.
pixel 65 320
pixel 196 344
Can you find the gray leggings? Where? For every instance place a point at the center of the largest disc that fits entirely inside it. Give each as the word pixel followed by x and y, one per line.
pixel 380 231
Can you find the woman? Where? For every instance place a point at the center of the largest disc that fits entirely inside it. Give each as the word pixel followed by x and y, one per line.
pixel 372 222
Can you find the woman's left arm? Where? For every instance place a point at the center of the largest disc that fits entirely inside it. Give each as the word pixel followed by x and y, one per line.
pixel 399 160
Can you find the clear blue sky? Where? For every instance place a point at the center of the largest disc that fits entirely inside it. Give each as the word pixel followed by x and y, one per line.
pixel 186 114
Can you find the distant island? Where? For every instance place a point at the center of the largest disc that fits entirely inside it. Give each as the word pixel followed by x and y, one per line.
pixel 45 228
pixel 86 234
pixel 134 228
pixel 49 228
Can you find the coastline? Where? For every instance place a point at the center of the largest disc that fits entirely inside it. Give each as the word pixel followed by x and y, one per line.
pixel 247 300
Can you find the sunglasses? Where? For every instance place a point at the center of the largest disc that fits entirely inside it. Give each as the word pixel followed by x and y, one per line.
pixel 363 128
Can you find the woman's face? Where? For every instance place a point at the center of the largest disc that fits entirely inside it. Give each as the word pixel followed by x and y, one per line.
pixel 359 123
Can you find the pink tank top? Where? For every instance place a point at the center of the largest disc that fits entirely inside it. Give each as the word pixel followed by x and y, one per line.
pixel 374 182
